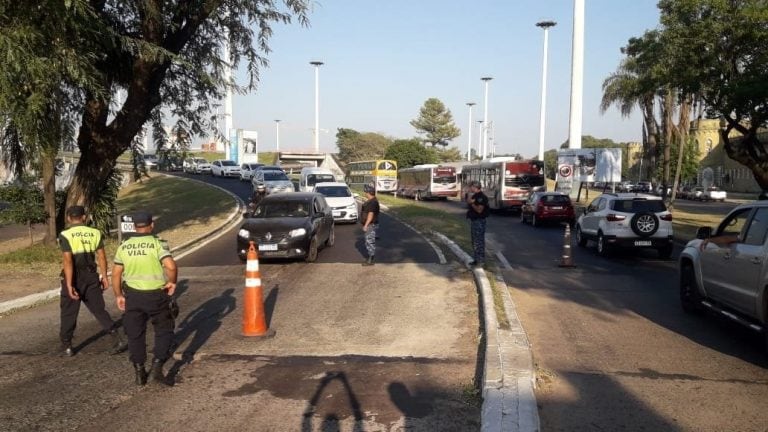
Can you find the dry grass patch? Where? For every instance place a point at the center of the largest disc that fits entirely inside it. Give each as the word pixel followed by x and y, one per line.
pixel 685 224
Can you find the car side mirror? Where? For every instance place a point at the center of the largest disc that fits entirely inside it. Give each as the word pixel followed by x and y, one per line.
pixel 703 233
pixel 355 195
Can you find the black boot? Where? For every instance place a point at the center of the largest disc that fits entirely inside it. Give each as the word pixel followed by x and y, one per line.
pixel 119 343
pixel 66 349
pixel 156 372
pixel 369 261
pixel 141 373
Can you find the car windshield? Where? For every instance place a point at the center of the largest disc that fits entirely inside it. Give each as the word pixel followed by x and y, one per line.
pixel 313 179
pixel 713 189
pixel 201 160
pixel 277 209
pixel 252 166
pixel 555 199
pixel 228 163
pixel 334 191
pixel 275 176
pixel 150 157
pixel 639 205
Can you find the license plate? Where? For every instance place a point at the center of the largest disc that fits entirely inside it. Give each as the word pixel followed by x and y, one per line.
pixel 556 208
pixel 268 247
pixel 642 242
pixel 336 213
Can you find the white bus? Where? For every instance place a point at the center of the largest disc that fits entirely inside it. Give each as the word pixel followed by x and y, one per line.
pixel 507 182
pixel 427 182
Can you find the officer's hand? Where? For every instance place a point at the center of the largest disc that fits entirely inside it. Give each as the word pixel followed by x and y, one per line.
pixel 170 287
pixel 120 300
pixel 72 293
pixel 104 284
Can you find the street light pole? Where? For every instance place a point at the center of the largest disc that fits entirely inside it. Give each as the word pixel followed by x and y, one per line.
pixel 577 76
pixel 545 25
pixel 486 80
pixel 480 128
pixel 469 132
pixel 277 135
pixel 317 65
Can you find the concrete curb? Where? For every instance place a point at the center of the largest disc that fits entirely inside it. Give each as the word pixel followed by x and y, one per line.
pixel 509 402
pixel 32 300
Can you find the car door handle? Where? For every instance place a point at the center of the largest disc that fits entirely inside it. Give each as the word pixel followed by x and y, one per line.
pixel 756 260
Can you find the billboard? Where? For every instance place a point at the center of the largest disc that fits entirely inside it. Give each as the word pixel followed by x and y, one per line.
pixel 575 166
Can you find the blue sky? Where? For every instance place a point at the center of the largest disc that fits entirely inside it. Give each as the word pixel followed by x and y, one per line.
pixel 383 59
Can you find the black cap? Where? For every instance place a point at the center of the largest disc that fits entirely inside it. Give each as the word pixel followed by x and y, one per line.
pixel 76 211
pixel 369 189
pixel 142 218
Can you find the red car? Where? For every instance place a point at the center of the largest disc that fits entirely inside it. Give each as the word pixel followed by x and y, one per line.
pixel 544 207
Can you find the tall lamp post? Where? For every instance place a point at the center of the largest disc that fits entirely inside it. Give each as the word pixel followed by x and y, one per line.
pixel 480 128
pixel 277 135
pixel 486 80
pixel 469 132
pixel 577 76
pixel 317 65
pixel 545 25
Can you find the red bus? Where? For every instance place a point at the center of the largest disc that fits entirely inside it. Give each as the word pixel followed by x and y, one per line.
pixel 506 182
pixel 427 181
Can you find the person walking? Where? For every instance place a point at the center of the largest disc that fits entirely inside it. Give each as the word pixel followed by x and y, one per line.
pixel 477 213
pixel 369 215
pixel 144 279
pixel 83 279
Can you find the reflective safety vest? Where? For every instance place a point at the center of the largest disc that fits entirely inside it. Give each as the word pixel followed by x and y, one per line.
pixel 141 258
pixel 83 242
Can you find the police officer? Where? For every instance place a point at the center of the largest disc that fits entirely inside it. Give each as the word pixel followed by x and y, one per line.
pixel 144 279
pixel 477 213
pixel 83 279
pixel 369 215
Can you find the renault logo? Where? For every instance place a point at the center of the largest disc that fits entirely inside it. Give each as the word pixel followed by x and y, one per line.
pixel 268 236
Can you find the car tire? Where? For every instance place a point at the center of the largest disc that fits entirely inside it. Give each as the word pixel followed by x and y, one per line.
pixel 602 247
pixel 644 224
pixel 690 297
pixel 665 252
pixel 312 252
pixel 580 239
pixel 331 237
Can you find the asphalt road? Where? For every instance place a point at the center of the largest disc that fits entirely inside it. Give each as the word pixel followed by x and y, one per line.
pixel 613 348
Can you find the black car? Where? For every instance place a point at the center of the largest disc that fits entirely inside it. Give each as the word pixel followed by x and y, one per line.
pixel 288 225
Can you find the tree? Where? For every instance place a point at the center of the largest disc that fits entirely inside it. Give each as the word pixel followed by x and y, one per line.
pixel 718 52
pixel 356 146
pixel 26 206
pixel 410 152
pixel 166 57
pixel 452 154
pixel 435 122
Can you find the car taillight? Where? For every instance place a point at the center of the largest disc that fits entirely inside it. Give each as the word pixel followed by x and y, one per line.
pixel 667 217
pixel 615 218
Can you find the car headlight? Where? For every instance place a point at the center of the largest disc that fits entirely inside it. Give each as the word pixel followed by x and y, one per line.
pixel 352 207
pixel 244 233
pixel 298 232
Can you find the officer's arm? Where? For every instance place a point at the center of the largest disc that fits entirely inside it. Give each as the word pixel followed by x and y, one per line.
pixel 169 265
pixel 117 278
pixel 101 261
pixel 69 268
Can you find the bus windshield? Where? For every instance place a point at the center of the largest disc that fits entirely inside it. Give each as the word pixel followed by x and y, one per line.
pixel 313 179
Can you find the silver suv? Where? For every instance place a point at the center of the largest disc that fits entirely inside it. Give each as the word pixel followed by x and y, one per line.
pixel 726 270
pixel 626 220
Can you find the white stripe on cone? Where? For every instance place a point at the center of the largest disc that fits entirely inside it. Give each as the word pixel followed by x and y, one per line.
pixel 252 265
pixel 252 282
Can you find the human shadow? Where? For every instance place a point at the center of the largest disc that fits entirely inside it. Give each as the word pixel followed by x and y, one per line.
pixel 331 420
pixel 200 324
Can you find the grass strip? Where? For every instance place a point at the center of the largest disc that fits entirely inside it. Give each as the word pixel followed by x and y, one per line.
pixel 498 302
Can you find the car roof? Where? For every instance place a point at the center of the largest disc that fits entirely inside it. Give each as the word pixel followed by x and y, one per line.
pixel 292 196
pixel 633 195
pixel 339 184
pixel 270 167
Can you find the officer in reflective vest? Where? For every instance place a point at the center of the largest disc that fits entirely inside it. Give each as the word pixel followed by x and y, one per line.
pixel 83 279
pixel 144 279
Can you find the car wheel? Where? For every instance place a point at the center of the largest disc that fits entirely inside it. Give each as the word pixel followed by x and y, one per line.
pixel 331 237
pixel 312 252
pixel 534 221
pixel 644 224
pixel 665 252
pixel 580 239
pixel 690 297
pixel 602 245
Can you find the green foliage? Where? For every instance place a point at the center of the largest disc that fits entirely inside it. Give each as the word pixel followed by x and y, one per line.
pixel 103 211
pixel 452 154
pixel 435 122
pixel 34 254
pixel 355 146
pixel 25 204
pixel 410 152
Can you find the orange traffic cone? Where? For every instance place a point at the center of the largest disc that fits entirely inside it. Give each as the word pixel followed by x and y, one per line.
pixel 254 321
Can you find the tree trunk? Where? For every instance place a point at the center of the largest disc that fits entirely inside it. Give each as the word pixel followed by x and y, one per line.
pixel 653 136
pixel 48 161
pixel 683 125
pixel 31 237
pixel 748 151
pixel 668 108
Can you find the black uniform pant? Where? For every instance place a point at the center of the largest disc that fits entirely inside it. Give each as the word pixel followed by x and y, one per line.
pixel 140 307
pixel 90 292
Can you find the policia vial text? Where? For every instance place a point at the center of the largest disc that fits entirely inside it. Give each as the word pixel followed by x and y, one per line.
pixel 138 249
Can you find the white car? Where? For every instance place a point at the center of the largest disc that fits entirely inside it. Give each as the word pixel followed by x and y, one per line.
pixel 196 166
pixel 225 168
pixel 341 200
pixel 626 220
pixel 713 193
pixel 247 170
pixel 150 162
